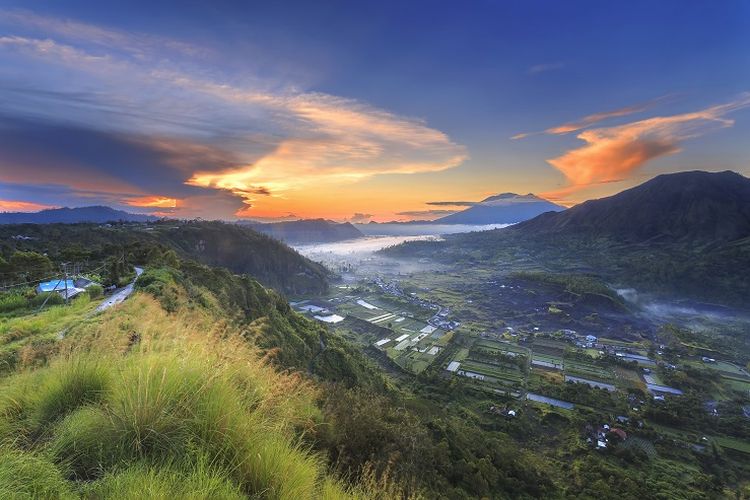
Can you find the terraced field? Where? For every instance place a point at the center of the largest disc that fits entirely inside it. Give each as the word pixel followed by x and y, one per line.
pixel 548 346
pixel 546 361
pixel 504 347
pixel 588 371
pixel 507 375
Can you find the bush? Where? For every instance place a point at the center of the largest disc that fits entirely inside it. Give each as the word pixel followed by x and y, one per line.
pixel 95 291
pixel 52 298
pixel 12 302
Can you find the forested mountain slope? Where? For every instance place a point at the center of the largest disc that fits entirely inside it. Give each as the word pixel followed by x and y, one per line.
pixel 237 248
pixel 685 235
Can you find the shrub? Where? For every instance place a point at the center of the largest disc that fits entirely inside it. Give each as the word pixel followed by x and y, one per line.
pixel 52 298
pixel 95 291
pixel 12 302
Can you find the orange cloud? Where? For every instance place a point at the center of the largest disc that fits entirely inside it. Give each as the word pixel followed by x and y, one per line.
pixel 614 153
pixel 21 206
pixel 152 201
pixel 264 140
pixel 350 142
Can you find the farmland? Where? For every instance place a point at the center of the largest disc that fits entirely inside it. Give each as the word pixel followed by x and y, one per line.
pixel 524 346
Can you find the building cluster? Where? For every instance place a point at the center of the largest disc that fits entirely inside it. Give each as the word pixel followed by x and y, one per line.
pixel 601 436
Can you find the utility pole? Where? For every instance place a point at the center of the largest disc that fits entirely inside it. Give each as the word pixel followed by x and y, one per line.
pixel 65 277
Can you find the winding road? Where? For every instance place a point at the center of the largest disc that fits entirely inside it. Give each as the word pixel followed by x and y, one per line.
pixel 119 295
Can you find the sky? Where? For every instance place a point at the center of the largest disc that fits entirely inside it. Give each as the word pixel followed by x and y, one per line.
pixel 362 110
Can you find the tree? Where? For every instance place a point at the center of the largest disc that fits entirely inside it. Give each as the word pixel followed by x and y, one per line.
pixel 30 265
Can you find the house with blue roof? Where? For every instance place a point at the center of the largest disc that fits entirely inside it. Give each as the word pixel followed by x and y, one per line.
pixel 58 285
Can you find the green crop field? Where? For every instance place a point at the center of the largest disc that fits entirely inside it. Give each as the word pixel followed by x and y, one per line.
pixel 500 346
pixel 495 371
pixel 590 371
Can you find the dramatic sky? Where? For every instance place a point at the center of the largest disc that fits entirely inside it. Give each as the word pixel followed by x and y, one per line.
pixel 362 110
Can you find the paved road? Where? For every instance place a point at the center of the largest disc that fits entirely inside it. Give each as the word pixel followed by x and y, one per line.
pixel 119 295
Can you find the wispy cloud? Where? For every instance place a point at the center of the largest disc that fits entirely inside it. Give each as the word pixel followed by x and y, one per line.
pixel 21 206
pixel 592 119
pixel 545 67
pixel 152 202
pixel 452 203
pixel 589 120
pixel 430 214
pixel 281 218
pixel 248 140
pixel 615 153
pixel 138 44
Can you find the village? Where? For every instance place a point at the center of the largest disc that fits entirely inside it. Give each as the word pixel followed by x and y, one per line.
pixel 521 365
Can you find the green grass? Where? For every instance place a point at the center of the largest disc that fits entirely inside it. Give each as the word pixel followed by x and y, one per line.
pixel 586 370
pixel 200 482
pixel 50 320
pixel 175 420
pixel 500 346
pixel 737 384
pixel 28 475
pixel 733 444
pixel 491 370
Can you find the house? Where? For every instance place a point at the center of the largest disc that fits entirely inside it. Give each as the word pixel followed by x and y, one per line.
pixel 82 282
pixel 54 285
pixel 71 292
pixel 590 338
pixel 620 433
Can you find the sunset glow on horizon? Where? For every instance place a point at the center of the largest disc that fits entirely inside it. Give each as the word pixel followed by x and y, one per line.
pixel 387 113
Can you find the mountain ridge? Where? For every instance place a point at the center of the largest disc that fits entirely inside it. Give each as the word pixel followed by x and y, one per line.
pixel 694 206
pixel 306 231
pixel 66 215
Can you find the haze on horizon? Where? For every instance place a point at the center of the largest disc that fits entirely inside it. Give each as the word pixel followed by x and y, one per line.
pixel 362 112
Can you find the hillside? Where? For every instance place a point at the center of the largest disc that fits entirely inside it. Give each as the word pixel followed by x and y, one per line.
pixel 171 395
pixel 207 385
pixel 237 248
pixel 302 232
pixel 97 214
pixel 506 208
pixel 694 207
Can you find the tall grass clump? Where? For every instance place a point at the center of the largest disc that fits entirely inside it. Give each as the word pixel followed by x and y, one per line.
pixel 169 419
pixel 25 475
pixel 201 482
pixel 140 402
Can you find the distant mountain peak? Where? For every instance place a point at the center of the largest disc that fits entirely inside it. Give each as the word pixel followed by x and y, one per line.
pixel 503 208
pixel 512 197
pixel 94 213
